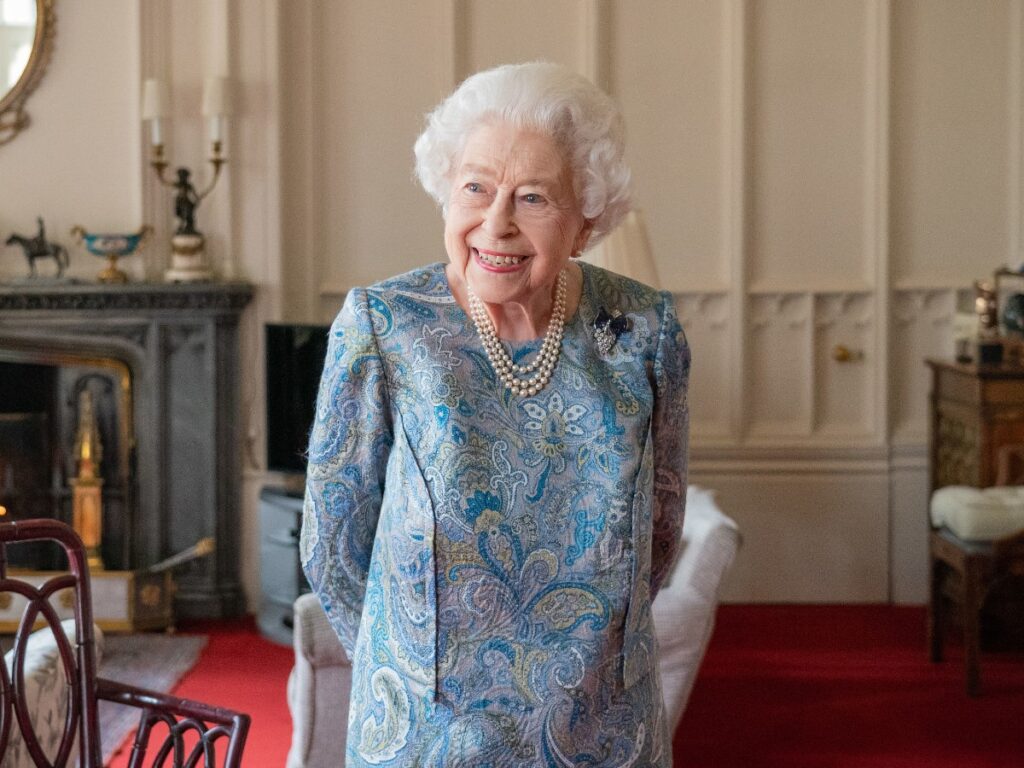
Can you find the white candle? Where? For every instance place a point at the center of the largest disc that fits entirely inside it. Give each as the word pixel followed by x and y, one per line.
pixel 156 136
pixel 216 128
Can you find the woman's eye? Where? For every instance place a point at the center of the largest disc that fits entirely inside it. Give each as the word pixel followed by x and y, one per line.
pixel 474 187
pixel 533 198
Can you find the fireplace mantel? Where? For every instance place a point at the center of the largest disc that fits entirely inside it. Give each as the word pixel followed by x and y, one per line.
pixel 129 297
pixel 180 344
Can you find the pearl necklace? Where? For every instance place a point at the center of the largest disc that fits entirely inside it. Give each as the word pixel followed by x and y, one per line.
pixel 516 377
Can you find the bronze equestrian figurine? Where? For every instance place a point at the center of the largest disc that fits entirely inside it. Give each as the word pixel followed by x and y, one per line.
pixel 39 248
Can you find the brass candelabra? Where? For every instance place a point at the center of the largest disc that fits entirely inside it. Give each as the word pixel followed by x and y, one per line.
pixel 188 259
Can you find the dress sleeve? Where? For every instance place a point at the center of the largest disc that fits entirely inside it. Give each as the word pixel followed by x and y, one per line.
pixel 670 428
pixel 348 453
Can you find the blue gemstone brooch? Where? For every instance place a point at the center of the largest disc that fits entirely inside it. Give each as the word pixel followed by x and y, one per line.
pixel 608 327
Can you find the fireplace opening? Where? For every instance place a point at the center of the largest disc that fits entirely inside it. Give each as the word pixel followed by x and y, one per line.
pixel 46 401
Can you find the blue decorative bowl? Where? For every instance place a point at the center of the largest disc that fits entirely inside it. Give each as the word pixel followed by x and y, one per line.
pixel 112 247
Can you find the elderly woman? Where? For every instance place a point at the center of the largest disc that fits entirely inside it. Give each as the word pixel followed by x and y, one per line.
pixel 498 465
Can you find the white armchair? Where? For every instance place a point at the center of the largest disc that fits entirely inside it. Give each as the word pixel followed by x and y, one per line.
pixel 46 693
pixel 684 610
pixel 684 617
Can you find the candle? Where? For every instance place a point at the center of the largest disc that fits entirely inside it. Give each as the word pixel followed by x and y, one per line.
pixel 216 128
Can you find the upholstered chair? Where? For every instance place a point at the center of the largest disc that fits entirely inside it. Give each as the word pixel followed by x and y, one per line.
pixel 46 692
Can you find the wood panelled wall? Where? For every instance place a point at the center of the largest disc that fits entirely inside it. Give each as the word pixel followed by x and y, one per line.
pixel 814 174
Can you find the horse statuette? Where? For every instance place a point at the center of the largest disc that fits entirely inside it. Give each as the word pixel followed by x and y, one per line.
pixel 39 247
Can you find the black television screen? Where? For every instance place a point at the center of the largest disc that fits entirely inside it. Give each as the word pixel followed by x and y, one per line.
pixel 294 361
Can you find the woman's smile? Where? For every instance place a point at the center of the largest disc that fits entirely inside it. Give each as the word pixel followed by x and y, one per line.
pixel 495 261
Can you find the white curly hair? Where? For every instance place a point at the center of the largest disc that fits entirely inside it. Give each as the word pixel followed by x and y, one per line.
pixel 545 97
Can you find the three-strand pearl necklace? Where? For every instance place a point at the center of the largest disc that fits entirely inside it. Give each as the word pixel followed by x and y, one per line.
pixel 522 379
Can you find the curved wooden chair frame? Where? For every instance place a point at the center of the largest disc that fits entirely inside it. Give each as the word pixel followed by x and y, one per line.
pixel 194 731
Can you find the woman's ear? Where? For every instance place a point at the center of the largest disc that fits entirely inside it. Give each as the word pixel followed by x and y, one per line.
pixel 583 237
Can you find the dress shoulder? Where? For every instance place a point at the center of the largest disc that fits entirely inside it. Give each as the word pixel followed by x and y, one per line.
pixel 614 290
pixel 428 283
pixel 403 303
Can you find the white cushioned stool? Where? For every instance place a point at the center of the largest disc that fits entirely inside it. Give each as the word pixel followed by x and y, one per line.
pixel 979 514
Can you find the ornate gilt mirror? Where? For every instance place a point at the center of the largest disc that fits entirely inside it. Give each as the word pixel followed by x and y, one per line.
pixel 26 40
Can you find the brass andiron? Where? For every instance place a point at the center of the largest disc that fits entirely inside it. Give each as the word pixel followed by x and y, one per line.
pixel 201 548
pixel 87 496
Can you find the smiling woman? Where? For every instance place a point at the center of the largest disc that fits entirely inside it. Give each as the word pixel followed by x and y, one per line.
pixel 482 523
pixel 512 225
pixel 26 41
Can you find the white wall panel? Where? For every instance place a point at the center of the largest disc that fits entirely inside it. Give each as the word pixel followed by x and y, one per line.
pixel 779 357
pixel 708 325
pixel 806 133
pixel 379 68
pixel 499 32
pixel 674 92
pixel 922 328
pixel 807 537
pixel 844 391
pixel 954 140
pixel 908 542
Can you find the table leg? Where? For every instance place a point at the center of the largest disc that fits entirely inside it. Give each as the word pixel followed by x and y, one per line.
pixel 972 624
pixel 936 618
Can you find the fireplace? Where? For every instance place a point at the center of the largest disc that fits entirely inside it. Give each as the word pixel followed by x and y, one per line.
pixel 159 364
pixel 41 398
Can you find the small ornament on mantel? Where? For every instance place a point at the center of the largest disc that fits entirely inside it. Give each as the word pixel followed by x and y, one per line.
pixel 39 247
pixel 188 260
pixel 112 247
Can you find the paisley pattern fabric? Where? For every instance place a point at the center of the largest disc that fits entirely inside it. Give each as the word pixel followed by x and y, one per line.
pixel 489 560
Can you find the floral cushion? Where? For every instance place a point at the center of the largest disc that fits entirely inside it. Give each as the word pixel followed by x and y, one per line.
pixel 45 693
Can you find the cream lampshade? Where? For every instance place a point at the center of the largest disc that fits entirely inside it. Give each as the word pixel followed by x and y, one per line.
pixel 216 105
pixel 626 251
pixel 155 101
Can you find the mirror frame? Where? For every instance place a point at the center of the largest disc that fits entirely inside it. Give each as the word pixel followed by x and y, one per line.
pixel 13 117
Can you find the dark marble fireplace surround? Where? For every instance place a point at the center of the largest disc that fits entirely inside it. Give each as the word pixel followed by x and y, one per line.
pixel 179 343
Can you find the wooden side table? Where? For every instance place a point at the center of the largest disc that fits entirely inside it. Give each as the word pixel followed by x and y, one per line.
pixel 977 416
pixel 975 410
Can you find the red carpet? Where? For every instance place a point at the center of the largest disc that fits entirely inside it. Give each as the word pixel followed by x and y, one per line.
pixel 241 670
pixel 845 686
pixel 781 686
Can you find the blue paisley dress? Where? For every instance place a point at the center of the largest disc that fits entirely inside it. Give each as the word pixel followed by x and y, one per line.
pixel 489 560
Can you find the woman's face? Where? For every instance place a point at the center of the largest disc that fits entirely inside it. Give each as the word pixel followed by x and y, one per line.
pixel 513 219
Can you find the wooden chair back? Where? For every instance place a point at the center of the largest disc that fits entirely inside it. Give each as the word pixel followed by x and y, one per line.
pixel 192 733
pixel 78 660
